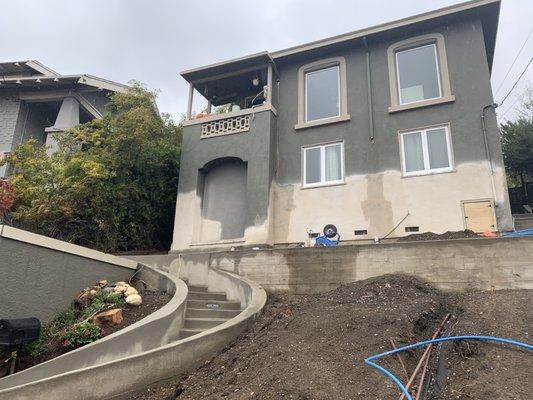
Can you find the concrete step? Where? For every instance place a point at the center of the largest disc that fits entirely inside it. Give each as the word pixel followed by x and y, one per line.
pixel 202 323
pixel 211 313
pixel 197 288
pixel 214 304
pixel 207 295
pixel 186 332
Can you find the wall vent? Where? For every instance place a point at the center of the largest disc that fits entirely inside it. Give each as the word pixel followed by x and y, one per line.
pixel 412 228
pixel 360 232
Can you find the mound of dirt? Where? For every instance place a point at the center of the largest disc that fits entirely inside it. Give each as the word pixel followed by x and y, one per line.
pixel 313 346
pixel 417 237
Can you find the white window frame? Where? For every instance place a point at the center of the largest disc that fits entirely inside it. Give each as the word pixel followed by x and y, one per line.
pixel 425 151
pixel 323 181
pixel 398 83
pixel 307 73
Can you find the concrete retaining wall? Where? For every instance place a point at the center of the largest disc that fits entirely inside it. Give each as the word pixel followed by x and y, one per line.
pixel 121 377
pixel 155 330
pixel 40 276
pixel 501 263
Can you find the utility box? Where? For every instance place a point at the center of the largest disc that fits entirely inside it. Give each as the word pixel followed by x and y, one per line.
pixel 16 332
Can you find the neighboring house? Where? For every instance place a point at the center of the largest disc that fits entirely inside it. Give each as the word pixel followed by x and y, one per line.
pixel 389 124
pixel 36 101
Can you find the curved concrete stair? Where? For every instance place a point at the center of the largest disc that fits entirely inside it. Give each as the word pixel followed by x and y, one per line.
pixel 206 310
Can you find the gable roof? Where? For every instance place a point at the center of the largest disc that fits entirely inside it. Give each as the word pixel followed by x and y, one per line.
pixel 33 74
pixel 486 10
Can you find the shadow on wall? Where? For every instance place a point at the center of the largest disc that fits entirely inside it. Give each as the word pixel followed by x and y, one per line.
pixel 376 209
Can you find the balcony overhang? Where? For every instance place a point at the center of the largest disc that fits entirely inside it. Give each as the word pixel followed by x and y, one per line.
pixel 226 68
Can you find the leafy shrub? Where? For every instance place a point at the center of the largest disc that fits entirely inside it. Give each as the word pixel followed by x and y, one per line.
pixel 99 301
pixel 81 334
pixel 112 183
pixel 7 197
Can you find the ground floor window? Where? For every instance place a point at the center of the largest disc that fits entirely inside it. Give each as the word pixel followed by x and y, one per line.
pixel 426 151
pixel 323 164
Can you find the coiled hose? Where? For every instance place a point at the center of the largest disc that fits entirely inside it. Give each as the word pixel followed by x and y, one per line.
pixel 370 360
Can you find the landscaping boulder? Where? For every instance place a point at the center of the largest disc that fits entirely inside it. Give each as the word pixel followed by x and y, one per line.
pixel 134 300
pixel 121 288
pixel 108 318
pixel 130 290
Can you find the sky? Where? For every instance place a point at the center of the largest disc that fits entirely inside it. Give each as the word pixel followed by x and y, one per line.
pixel 153 40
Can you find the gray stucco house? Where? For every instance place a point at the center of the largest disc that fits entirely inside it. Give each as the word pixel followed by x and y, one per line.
pixel 36 101
pixel 394 123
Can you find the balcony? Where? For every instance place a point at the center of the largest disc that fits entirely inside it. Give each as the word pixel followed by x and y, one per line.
pixel 234 92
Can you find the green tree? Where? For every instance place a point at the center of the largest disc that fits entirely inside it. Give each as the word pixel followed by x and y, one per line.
pixel 517 146
pixel 517 141
pixel 112 183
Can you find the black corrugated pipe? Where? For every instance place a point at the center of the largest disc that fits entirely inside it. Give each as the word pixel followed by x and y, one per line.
pixel 369 89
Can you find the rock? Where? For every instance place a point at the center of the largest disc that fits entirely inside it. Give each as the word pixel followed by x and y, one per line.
pixel 121 283
pixel 130 290
pixel 108 318
pixel 102 283
pixel 92 292
pixel 120 289
pixel 83 299
pixel 134 300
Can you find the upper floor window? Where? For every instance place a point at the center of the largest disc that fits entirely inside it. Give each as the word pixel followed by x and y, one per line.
pixel 323 165
pixel 418 73
pixel 426 151
pixel 322 93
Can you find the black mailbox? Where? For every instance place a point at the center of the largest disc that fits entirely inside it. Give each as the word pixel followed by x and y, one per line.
pixel 15 332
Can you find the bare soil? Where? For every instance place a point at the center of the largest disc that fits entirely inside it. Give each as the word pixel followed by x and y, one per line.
pixel 313 346
pixel 416 237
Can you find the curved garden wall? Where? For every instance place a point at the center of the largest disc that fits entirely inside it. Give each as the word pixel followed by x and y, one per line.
pixel 129 373
pixel 40 276
pixel 153 331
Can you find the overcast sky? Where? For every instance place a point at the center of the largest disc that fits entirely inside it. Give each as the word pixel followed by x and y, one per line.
pixel 153 40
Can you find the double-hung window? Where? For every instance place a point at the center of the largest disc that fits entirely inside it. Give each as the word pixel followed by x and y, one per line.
pixel 426 151
pixel 323 165
pixel 322 94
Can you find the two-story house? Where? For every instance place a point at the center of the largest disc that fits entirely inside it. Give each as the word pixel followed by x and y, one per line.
pixel 382 132
pixel 36 101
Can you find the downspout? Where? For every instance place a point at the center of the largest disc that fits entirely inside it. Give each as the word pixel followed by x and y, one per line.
pixel 369 90
pixel 487 150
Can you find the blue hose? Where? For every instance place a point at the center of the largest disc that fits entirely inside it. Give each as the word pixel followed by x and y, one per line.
pixel 369 360
pixel 522 233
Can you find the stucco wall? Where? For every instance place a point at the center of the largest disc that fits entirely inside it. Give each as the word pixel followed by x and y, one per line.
pixel 256 148
pixel 375 195
pixel 39 280
pixel 503 263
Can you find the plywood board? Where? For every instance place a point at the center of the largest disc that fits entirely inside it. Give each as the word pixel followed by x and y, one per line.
pixel 479 216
